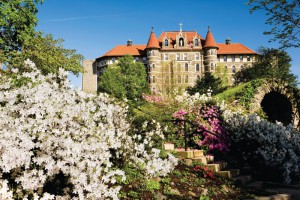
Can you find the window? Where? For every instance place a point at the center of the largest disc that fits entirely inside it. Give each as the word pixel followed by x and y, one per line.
pixel 149 68
pixel 136 58
pixel 179 79
pixel 144 58
pixel 233 58
pixel 153 79
pixel 241 58
pixel 166 56
pixel 148 53
pixel 198 77
pixel 186 67
pixel 211 66
pixel 218 58
pixel 113 60
pixel 181 42
pixel 196 42
pixel 177 56
pixel 166 42
pixel 186 79
pixel 226 68
pixel 197 68
pixel 153 66
pixel 185 56
pixel 167 79
pixel 241 67
pixel 197 57
pixel 248 58
pixel 152 53
pixel 233 69
pixel 225 58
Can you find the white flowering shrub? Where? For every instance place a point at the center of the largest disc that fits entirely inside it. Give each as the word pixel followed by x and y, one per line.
pixel 275 145
pixel 56 142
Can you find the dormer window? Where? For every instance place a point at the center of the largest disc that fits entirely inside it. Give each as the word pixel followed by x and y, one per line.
pixel 181 42
pixel 166 42
pixel 196 42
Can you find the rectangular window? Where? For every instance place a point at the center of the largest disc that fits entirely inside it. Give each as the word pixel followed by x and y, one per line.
pixel 241 58
pixel 248 58
pixel 113 60
pixel 197 56
pixel 185 56
pixel 225 58
pixel 136 58
pixel 233 58
pixel 177 56
pixel 218 58
pixel 166 56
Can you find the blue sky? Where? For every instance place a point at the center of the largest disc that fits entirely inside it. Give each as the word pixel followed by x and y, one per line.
pixel 93 27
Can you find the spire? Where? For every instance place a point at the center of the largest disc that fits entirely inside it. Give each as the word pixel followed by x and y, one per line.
pixel 152 42
pixel 209 40
pixel 180 26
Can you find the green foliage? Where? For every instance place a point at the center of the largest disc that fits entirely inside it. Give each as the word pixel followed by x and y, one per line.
pixel 208 81
pixel 273 63
pixel 203 198
pixel 125 79
pixel 229 95
pixel 133 194
pixel 19 41
pixel 284 19
pixel 152 185
pixel 248 92
pixel 17 22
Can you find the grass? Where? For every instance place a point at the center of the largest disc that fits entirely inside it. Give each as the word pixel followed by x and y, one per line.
pixel 230 94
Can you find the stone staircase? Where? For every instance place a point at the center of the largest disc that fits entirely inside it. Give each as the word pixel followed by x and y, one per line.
pixel 220 168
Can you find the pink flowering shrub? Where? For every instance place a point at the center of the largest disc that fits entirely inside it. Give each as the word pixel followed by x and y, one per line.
pixel 204 127
pixel 153 98
pixel 60 143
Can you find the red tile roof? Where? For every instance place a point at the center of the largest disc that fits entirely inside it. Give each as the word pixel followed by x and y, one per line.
pixel 234 48
pixel 172 35
pixel 209 40
pixel 122 50
pixel 152 42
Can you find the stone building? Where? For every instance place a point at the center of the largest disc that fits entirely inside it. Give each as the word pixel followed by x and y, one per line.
pixel 175 60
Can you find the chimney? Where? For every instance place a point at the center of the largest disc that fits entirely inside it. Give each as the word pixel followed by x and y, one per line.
pixel 129 42
pixel 228 41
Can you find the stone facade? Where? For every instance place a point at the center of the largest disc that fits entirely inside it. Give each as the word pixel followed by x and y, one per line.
pixel 176 59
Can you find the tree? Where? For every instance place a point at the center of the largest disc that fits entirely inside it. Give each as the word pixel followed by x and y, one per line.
pixel 17 21
pixel 208 81
pixel 284 17
pixel 272 63
pixel 125 79
pixel 19 40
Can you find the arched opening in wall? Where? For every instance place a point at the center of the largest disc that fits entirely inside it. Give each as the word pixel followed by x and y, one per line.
pixel 277 108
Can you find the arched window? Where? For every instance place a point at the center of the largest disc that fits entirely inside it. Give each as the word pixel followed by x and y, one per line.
pixel 179 79
pixel 166 42
pixel 233 69
pixel 206 68
pixel 153 79
pixel 181 42
pixel 211 66
pixel 149 68
pixel 197 67
pixel 196 42
pixel 186 67
pixel 153 66
pixel 186 79
pixel 152 53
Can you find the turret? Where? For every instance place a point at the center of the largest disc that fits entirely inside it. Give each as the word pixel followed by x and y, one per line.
pixel 210 52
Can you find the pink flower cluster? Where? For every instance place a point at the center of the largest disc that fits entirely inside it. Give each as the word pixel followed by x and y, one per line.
pixel 153 98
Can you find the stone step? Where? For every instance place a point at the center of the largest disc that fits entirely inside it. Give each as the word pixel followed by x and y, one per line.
pixel 216 166
pixel 169 146
pixel 242 180
pixel 201 159
pixel 189 153
pixel 229 173
pixel 210 158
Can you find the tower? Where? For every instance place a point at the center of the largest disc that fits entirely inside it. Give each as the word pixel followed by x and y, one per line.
pixel 210 52
pixel 153 61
